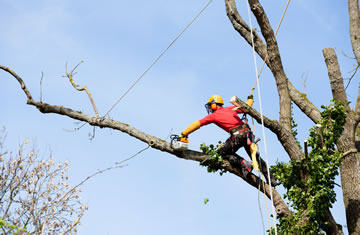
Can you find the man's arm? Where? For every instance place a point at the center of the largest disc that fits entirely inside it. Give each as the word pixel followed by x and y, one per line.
pixel 191 128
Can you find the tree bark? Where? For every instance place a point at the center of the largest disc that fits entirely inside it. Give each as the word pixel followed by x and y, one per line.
pixel 285 88
pixel 335 77
pixel 333 228
pixel 353 6
pixel 275 62
pixel 350 164
pixel 244 30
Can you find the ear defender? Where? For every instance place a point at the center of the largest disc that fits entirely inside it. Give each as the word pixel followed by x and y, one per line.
pixel 213 106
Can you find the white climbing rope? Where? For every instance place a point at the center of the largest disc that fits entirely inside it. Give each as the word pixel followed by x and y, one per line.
pixel 158 58
pixel 262 117
pixel 277 30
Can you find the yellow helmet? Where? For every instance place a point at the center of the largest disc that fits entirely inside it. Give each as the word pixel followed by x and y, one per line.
pixel 213 102
pixel 216 99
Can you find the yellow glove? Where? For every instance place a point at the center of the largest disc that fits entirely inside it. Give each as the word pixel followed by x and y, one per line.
pixel 250 100
pixel 191 128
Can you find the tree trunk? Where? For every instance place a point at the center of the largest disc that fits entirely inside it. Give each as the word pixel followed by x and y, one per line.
pixel 350 178
pixel 350 165
pixel 354 23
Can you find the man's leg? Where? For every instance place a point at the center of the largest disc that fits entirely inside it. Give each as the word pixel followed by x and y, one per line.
pixel 264 171
pixel 262 166
pixel 228 150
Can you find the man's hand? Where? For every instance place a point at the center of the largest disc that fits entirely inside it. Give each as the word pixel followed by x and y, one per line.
pixel 183 138
pixel 250 100
pixel 182 135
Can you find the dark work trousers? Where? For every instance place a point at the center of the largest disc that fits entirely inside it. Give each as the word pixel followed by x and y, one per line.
pixel 234 143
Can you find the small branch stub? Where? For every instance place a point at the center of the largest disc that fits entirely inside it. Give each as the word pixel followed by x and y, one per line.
pixel 306 149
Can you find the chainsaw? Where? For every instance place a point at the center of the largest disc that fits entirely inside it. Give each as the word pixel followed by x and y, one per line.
pixel 179 143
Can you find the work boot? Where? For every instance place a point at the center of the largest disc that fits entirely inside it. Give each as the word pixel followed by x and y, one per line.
pixel 233 159
pixel 274 183
pixel 246 167
pixel 263 169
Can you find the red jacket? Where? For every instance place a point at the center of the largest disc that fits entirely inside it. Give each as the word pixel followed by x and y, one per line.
pixel 223 117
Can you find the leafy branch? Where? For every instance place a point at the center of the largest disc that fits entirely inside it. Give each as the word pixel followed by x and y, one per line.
pixel 310 181
pixel 214 159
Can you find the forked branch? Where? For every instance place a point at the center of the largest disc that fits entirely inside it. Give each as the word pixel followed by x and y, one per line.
pixel 284 136
pixel 84 88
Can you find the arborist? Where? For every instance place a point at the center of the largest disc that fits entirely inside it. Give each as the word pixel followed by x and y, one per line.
pixel 240 134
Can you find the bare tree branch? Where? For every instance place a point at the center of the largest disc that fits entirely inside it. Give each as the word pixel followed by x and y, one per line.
pixel 337 85
pixel 352 76
pixel 31 192
pixel 243 29
pixel 283 131
pixel 336 80
pixel 41 79
pixel 357 110
pixel 152 141
pixel 22 84
pixel 333 228
pixel 303 103
pixel 84 88
pixel 354 18
pixel 349 167
pixel 275 63
pixel 240 26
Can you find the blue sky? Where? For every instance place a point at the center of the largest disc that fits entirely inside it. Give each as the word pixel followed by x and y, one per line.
pixel 157 193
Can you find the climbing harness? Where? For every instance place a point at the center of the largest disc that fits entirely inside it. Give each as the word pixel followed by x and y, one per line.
pixel 158 58
pixel 244 118
pixel 253 145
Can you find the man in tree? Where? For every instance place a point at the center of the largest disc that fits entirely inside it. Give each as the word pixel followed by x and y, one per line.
pixel 240 133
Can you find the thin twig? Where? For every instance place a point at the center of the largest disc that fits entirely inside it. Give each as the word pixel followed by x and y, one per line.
pixel 41 79
pixel 76 128
pixel 92 135
pixel 344 54
pixel 118 165
pixel 169 134
pixel 70 76
pixel 355 70
pixel 305 76
pixel 306 149
pixel 127 159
